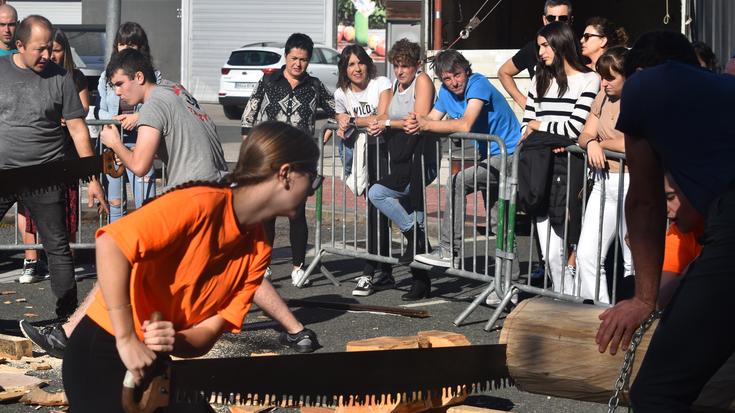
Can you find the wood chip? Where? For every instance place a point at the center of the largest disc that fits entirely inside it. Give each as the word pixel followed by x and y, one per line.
pixel 12 395
pixel 7 302
pixel 41 366
pixel 7 292
pixel 44 398
pixel 30 315
pixel 20 300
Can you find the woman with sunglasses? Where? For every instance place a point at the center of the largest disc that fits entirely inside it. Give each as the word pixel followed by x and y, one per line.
pixel 197 254
pixel 559 100
pixel 599 35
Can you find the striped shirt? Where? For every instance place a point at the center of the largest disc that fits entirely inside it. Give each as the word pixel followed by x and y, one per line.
pixel 567 114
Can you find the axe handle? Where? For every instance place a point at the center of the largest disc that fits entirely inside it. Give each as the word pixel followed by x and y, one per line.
pixel 155 395
pixel 406 312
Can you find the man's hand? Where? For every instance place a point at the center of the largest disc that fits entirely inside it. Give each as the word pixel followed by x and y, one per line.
pixel 159 335
pixel 411 124
pixel 110 135
pixel 620 322
pixel 128 121
pixel 327 136
pixel 95 192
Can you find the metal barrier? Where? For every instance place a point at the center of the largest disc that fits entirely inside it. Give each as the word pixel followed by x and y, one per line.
pixel 575 293
pixel 342 242
pixel 80 235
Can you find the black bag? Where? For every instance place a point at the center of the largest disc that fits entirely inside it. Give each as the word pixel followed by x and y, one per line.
pixel 535 169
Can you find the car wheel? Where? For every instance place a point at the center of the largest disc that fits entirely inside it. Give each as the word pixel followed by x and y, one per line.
pixel 232 112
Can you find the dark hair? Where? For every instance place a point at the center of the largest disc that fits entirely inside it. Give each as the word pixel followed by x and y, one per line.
pixel 554 3
pixel 343 82
pixel 611 60
pixel 131 61
pixel 60 38
pixel 132 34
pixel 656 47
pixel 23 32
pixel 616 35
pixel 449 60
pixel 562 41
pixel 406 52
pixel 299 41
pixel 707 56
pixel 270 145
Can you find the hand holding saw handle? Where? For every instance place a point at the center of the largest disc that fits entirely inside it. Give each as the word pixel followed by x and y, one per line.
pixel 157 392
pixel 110 166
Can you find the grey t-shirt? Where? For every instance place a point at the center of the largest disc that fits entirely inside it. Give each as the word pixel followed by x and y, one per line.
pixel 31 107
pixel 192 151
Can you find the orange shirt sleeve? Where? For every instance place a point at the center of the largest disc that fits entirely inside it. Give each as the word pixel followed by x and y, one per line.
pixel 680 250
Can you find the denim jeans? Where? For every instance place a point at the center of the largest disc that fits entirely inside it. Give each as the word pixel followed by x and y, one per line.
pixel 346 147
pixel 396 205
pixel 461 185
pixel 143 187
pixel 49 211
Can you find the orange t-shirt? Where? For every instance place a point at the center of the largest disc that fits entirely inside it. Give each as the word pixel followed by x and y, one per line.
pixel 189 259
pixel 681 249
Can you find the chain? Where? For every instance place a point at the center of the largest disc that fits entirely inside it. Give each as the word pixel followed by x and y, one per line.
pixel 622 382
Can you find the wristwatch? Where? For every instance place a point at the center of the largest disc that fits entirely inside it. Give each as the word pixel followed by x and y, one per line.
pixel 387 123
pixel 352 120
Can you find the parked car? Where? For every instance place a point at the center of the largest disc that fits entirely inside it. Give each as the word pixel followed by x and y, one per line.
pixel 247 65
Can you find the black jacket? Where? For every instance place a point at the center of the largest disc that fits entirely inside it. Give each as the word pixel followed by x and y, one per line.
pixel 405 164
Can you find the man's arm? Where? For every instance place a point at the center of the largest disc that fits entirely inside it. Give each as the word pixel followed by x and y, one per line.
pixel 80 136
pixel 505 75
pixel 462 125
pixel 140 160
pixel 267 299
pixel 645 210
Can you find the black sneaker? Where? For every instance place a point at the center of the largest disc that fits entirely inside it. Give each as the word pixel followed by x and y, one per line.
pixel 51 338
pixel 304 341
pixel 383 281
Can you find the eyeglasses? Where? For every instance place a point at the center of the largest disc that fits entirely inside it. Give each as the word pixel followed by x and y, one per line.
pixel 551 18
pixel 587 36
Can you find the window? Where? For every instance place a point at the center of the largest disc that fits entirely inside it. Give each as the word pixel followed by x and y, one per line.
pixel 331 57
pixel 253 58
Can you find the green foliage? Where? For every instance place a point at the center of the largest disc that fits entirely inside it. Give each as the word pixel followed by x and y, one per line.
pixel 346 14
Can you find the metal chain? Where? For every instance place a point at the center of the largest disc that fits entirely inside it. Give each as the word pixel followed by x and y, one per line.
pixel 622 382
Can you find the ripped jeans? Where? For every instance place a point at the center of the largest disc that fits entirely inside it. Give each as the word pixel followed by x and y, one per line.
pixel 143 188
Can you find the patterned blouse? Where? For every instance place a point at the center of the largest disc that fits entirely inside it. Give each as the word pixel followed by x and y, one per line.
pixel 274 99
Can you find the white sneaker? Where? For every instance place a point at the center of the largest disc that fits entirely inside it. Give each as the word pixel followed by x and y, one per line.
pixel 268 273
pixel 31 273
pixel 493 300
pixel 439 257
pixel 296 276
pixel 364 286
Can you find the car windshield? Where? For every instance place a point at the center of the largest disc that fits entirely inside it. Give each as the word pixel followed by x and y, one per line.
pixel 253 58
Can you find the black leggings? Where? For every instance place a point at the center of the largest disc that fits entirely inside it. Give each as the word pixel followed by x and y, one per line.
pixel 93 373
pixel 695 335
pixel 298 234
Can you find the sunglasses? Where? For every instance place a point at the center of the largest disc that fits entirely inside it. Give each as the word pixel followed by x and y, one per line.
pixel 316 180
pixel 587 36
pixel 551 18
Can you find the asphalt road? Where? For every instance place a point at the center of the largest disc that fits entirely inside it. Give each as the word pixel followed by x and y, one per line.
pixel 335 328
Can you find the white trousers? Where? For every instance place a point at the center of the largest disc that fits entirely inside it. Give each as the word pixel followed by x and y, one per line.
pixel 599 229
pixel 552 249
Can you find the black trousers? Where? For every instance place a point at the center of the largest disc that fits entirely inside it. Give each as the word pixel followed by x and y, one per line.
pixel 93 373
pixel 298 235
pixel 378 232
pixel 49 210
pixel 695 335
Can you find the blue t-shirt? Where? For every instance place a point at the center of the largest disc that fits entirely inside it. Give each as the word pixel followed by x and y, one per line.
pixel 4 52
pixel 496 117
pixel 685 113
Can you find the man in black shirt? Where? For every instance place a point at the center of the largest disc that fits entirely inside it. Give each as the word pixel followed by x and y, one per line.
pixel 527 57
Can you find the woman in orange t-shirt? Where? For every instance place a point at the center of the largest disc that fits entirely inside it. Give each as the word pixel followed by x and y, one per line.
pixel 196 254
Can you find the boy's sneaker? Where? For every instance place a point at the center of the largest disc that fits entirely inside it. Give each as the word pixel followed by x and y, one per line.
pixel 383 281
pixel 304 341
pixel 493 300
pixel 32 272
pixel 439 257
pixel 364 286
pixel 51 338
pixel 296 276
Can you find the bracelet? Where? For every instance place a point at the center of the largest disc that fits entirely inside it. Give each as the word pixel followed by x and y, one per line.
pixel 119 307
pixel 387 123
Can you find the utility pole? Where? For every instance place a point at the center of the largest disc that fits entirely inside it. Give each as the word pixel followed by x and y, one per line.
pixel 113 22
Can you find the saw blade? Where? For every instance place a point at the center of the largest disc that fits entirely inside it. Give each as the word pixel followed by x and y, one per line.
pixel 329 379
pixel 56 174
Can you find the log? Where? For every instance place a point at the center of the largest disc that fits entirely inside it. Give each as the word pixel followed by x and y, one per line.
pixel 551 350
pixel 15 347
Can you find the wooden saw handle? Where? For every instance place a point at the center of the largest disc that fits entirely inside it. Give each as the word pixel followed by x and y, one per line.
pixel 156 394
pixel 109 166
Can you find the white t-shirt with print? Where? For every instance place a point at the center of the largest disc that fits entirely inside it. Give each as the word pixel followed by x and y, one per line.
pixel 363 103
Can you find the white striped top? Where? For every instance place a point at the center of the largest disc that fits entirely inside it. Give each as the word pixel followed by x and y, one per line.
pixel 567 114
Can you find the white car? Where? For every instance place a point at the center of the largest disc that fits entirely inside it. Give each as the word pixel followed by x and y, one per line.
pixel 247 65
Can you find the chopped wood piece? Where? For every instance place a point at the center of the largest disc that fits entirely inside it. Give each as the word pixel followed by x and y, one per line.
pixel 472 409
pixel 383 343
pixel 444 338
pixel 12 395
pixel 7 292
pixel 10 381
pixel 30 315
pixel 41 366
pixel 15 347
pixel 7 302
pixel 308 409
pixel 263 354
pixel 20 300
pixel 44 398
pixel 12 370
pixel 251 409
